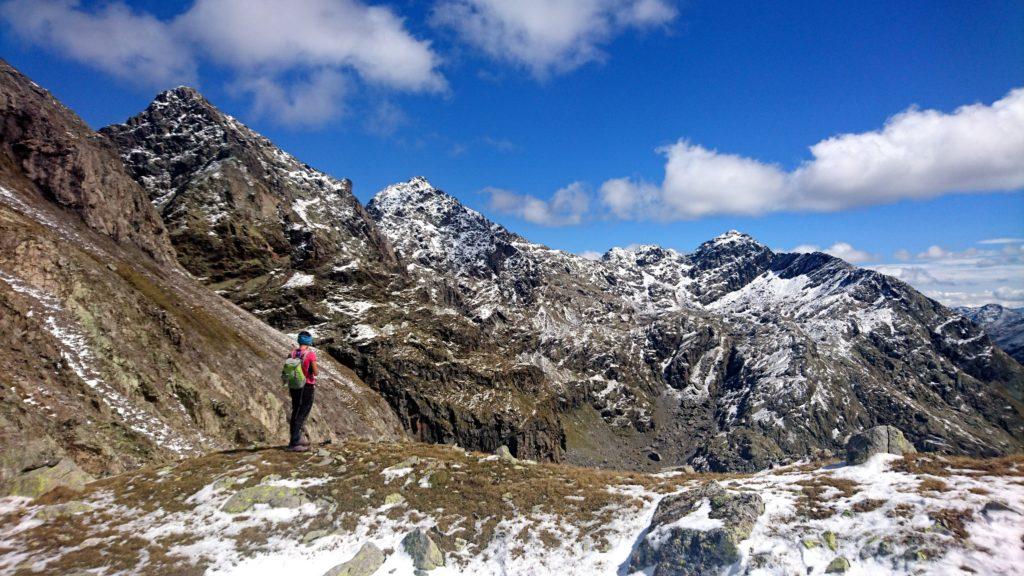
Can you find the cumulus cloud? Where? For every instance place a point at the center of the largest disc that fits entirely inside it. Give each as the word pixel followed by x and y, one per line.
pixel 917 154
pixel 970 277
pixel 259 35
pixel 295 59
pixel 591 254
pixel 548 36
pixel 569 205
pixel 843 250
pixel 114 38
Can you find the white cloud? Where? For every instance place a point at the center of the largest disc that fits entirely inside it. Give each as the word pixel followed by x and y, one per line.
pixel 268 35
pixel 548 36
pixel 114 38
pixel 296 59
pixel 1002 241
pixel 918 154
pixel 591 254
pixel 842 250
pixel 569 205
pixel 304 103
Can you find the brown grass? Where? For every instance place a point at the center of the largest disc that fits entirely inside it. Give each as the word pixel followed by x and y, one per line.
pixel 953 520
pixel 813 503
pixel 944 466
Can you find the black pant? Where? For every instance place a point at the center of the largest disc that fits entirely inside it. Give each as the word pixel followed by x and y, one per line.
pixel 302 403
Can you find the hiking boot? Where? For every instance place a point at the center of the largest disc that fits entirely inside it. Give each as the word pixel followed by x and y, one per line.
pixel 299 448
pixel 304 441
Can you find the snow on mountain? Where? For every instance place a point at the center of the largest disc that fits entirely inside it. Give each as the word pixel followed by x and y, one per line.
pixel 236 205
pixel 772 342
pixel 730 357
pixel 1005 326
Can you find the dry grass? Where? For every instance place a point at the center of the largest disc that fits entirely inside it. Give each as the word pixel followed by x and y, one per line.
pixel 953 520
pixel 933 485
pixel 816 500
pixel 944 466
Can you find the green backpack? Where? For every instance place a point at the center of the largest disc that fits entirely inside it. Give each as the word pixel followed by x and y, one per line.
pixel 292 374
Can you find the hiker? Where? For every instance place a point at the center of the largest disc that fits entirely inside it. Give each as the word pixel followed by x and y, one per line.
pixel 302 397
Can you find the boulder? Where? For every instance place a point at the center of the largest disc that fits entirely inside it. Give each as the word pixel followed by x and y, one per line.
pixel 505 454
pixel 273 496
pixel 877 440
pixel 424 552
pixel 367 561
pixel 838 566
pixel 697 532
pixel 61 510
pixel 35 483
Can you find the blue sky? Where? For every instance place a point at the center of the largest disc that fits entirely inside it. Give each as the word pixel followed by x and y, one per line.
pixel 562 120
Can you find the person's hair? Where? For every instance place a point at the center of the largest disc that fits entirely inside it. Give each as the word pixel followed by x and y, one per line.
pixel 305 338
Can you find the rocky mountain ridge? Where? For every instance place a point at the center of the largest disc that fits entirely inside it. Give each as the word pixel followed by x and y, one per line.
pixel 116 356
pixel 731 357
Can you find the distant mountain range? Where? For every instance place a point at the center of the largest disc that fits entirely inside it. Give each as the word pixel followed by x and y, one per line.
pixel 1005 326
pixel 730 357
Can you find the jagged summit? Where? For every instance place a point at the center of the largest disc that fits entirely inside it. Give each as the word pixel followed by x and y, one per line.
pixel 236 205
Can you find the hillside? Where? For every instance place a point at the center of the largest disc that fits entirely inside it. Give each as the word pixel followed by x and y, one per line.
pixel 117 357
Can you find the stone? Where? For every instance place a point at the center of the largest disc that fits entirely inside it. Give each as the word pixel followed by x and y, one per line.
pixel 421 548
pixel 394 498
pixel 810 543
pixel 830 540
pixel 877 440
pixel 64 509
pixel 995 506
pixel 366 562
pixel 505 454
pixel 678 551
pixel 314 535
pixel 273 496
pixel 838 566
pixel 654 456
pixel 35 483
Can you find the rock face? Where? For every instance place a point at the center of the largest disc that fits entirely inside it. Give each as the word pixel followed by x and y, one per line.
pixel 733 357
pixel 697 532
pixel 123 358
pixel 1005 326
pixel 44 143
pixel 367 561
pixel 877 440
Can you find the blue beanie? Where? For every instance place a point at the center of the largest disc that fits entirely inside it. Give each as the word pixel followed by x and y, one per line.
pixel 305 338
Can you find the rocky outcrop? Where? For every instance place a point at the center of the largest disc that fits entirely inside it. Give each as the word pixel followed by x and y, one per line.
pixel 697 532
pixel 271 495
pixel 34 483
pixel 878 440
pixel 47 145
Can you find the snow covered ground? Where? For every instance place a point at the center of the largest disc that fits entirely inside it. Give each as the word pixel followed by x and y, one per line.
pixel 270 512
